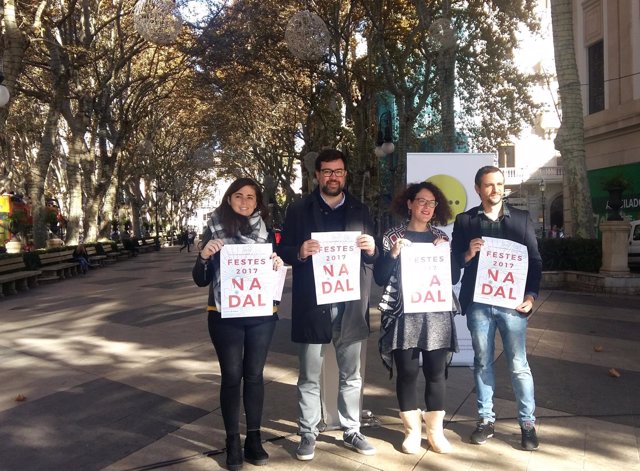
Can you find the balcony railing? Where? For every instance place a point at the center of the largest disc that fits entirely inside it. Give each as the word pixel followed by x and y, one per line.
pixel 517 176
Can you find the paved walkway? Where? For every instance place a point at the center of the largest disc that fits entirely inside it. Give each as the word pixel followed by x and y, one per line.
pixel 119 374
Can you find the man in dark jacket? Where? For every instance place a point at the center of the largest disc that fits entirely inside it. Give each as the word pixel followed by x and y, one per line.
pixel 329 208
pixel 495 219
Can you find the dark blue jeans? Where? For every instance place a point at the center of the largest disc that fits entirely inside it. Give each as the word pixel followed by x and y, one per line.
pixel 242 352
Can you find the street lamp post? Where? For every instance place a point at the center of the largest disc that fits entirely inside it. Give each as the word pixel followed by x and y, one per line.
pixel 159 194
pixel 384 143
pixel 542 188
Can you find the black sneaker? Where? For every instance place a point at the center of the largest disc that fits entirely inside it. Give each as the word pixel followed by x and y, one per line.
pixel 529 437
pixel 484 431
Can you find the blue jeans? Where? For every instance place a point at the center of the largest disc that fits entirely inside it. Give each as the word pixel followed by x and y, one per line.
pixel 482 321
pixel 311 357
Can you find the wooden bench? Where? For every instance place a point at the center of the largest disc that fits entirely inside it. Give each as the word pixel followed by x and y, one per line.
pixel 108 251
pixel 95 259
pixel 15 277
pixel 57 265
pixel 124 252
pixel 146 245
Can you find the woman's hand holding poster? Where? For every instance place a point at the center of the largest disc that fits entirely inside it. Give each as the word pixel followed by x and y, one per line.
pixel 426 277
pixel 502 273
pixel 336 267
pixel 247 280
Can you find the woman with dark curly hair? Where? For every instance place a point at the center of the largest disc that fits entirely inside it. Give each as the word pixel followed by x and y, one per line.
pixel 404 337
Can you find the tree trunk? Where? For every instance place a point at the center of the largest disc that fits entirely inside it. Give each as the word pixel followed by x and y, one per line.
pixel 570 138
pixel 38 175
pixel 446 66
pixel 15 44
pixel 77 152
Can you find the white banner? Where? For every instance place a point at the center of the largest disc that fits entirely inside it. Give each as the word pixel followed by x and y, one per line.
pixel 426 277
pixel 336 267
pixel 502 273
pixel 247 280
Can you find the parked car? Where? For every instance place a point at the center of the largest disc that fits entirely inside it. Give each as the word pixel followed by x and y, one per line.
pixel 634 244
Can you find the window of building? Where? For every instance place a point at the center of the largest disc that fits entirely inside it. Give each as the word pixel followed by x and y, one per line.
pixel 596 77
pixel 507 156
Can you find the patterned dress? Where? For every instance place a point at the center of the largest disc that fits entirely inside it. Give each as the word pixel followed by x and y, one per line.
pixel 400 331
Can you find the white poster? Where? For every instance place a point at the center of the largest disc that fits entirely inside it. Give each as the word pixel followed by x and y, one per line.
pixel 502 273
pixel 426 277
pixel 336 267
pixel 247 280
pixel 278 286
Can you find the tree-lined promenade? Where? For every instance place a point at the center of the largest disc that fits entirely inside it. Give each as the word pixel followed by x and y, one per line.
pixel 101 118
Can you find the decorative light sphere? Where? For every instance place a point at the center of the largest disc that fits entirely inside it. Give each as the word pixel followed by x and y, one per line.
pixel 307 36
pixel 157 21
pixel 442 33
pixel 203 158
pixel 388 147
pixel 145 147
pixel 4 95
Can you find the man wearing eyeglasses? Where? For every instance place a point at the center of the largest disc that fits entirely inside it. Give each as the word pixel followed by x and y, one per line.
pixel 328 208
pixel 493 218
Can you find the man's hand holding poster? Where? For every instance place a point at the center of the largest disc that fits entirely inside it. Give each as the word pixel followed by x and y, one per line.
pixel 426 278
pixel 247 280
pixel 502 273
pixel 336 267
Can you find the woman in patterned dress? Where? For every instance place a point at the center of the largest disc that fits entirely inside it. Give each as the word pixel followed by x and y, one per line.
pixel 406 337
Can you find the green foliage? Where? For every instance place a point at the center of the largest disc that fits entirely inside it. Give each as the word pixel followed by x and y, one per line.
pixel 571 254
pixel 616 182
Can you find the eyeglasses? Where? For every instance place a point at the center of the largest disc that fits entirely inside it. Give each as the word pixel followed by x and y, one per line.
pixel 327 172
pixel 426 202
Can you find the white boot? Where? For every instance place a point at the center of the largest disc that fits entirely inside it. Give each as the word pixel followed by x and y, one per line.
pixel 412 422
pixel 435 433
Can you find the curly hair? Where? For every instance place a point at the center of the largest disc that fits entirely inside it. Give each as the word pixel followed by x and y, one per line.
pixel 442 212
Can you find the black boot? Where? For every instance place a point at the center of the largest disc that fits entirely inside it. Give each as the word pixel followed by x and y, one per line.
pixel 234 452
pixel 253 451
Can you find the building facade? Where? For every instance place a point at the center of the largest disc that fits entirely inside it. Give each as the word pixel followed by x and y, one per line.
pixel 607 45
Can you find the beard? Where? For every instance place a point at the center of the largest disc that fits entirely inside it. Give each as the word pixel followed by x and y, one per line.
pixel 495 200
pixel 331 192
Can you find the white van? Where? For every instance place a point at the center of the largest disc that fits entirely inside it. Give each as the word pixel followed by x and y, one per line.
pixel 634 244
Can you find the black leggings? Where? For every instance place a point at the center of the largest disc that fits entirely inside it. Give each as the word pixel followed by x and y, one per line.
pixel 242 352
pixel 434 364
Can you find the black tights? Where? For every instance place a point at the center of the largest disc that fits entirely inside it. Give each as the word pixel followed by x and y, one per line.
pixel 434 364
pixel 242 352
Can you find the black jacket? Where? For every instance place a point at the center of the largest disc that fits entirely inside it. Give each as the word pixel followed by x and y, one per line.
pixel 518 227
pixel 312 323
